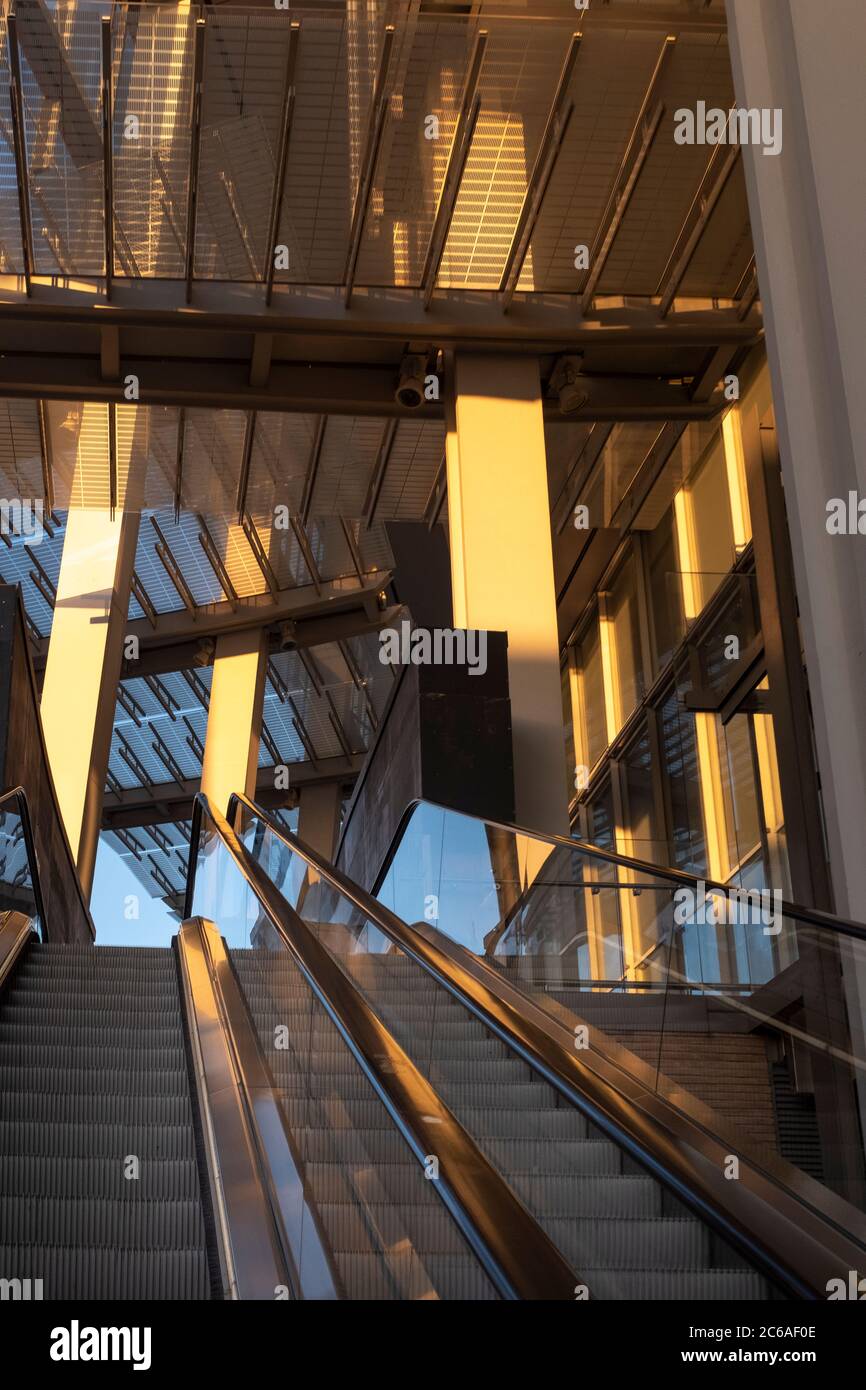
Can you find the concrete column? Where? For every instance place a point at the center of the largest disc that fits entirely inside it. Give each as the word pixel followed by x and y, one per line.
pixel 319 817
pixel 502 561
pixel 83 669
pixel 234 722
pixel 808 211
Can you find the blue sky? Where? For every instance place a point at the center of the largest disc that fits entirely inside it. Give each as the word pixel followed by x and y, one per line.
pixel 114 885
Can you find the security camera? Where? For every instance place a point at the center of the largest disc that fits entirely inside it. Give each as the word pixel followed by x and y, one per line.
pixel 565 380
pixel 410 384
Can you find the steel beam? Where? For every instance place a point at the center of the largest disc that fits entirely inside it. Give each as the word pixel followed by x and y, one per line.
pixel 20 150
pixel 216 563
pixel 172 569
pixel 380 468
pixel 639 145
pixel 178 471
pixel 194 152
pixel 330 390
pixel 312 468
pixel 321 328
pixel 542 171
pixel 372 145
pixel 107 153
pixel 246 455
pixel 167 803
pixel 254 542
pixel 46 460
pixel 464 130
pixel 282 155
pixel 719 169
pixel 142 598
pixel 112 459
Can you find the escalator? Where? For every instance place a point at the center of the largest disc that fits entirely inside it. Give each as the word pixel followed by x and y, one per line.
pixel 314 1095
pixel 100 1188
pixel 181 1125
pixel 633 1117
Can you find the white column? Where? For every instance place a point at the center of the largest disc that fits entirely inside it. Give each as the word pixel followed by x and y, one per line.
pixel 808 213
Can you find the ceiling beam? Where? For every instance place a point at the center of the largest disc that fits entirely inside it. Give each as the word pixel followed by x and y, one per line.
pixel 323 389
pixel 314 320
pixel 171 801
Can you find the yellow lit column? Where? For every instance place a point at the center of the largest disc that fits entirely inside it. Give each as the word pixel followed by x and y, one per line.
pixel 502 561
pixel 234 722
pixel 83 669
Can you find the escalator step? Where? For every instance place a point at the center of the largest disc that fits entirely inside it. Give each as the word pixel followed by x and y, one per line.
pixel 86 1272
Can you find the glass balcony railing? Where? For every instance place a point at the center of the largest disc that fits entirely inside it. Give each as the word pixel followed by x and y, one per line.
pixel 737 1007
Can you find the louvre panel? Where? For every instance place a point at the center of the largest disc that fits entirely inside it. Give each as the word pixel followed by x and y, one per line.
pixel 283 552
pixel 282 445
pixel 153 71
pixel 11 255
pixel 60 76
pixel 336 71
pixel 610 78
pixel 212 453
pixel 146 442
pixel 515 90
pixel 720 260
pixel 349 450
pixel 245 67
pixel 155 854
pixel 416 455
pixel 183 540
pixel 236 554
pixel 428 75
pixel 20 450
pixel 699 67
pixel 78 432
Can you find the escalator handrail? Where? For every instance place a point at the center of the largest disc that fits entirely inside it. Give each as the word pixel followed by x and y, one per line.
pixel 809 916
pixel 734 1211
pixel 19 796
pixel 517 1256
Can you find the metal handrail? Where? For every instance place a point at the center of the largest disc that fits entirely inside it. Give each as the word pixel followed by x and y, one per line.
pixel 815 1243
pixel 809 916
pixel 19 796
pixel 517 1256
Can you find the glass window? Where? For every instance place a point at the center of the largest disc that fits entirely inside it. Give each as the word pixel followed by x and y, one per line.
pixel 665 588
pixel 623 619
pixel 592 722
pixel 711 539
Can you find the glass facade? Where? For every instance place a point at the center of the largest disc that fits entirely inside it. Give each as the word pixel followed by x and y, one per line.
pixel 666 706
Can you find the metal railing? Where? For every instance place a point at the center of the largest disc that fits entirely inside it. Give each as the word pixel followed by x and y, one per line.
pixel 798 1244
pixel 517 1256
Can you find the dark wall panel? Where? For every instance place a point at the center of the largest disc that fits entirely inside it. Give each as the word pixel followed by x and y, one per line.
pixel 445 737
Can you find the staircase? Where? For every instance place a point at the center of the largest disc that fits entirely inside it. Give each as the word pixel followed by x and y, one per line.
pixel 94 1086
pixel 391 1236
pixel 625 1234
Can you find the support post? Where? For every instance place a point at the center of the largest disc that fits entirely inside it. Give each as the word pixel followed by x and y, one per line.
pixel 234 722
pixel 502 561
pixel 83 669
